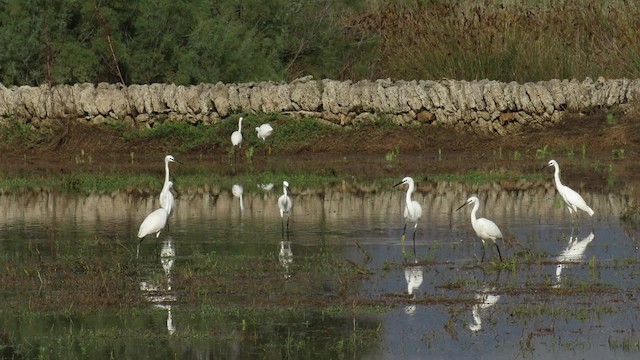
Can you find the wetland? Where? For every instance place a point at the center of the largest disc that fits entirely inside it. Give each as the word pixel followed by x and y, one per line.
pixel 224 281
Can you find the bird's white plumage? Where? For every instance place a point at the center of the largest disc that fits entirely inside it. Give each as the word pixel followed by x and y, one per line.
pixel 485 229
pixel 167 200
pixel 571 198
pixel 284 201
pixel 153 223
pixel 264 131
pixel 413 209
pixel 236 136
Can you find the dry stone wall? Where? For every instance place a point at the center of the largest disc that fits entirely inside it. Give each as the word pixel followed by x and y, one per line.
pixel 480 106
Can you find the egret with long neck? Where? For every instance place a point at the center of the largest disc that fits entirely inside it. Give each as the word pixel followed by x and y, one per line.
pixel 571 198
pixel 412 211
pixel 485 229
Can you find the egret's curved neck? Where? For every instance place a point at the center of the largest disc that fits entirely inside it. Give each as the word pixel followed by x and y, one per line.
pixel 240 124
pixel 166 171
pixel 409 192
pixel 476 205
pixel 556 175
pixel 284 190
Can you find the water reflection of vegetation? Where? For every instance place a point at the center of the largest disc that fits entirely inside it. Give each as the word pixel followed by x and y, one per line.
pixel 83 182
pixel 85 301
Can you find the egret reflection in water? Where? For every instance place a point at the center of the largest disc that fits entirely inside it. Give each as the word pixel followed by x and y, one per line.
pixel 157 290
pixel 486 298
pixel 574 253
pixel 285 256
pixel 414 275
pixel 237 191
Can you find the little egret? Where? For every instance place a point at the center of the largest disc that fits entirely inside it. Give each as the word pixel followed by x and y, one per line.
pixel 485 229
pixel 167 200
pixel 152 224
pixel 236 136
pixel 264 131
pixel 573 200
pixel 412 212
pixel 284 204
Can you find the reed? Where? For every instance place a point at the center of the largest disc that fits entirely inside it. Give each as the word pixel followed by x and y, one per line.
pixel 505 40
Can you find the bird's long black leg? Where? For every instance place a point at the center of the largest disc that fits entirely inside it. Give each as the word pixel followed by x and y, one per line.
pixel 138 248
pixel 282 225
pixel 483 251
pixel 402 238
pixel 414 240
pixel 498 248
pixel 288 223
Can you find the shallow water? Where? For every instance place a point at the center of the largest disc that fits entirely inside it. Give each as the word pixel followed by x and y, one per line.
pixel 335 285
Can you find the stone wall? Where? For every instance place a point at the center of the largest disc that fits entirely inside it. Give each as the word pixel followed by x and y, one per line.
pixel 479 106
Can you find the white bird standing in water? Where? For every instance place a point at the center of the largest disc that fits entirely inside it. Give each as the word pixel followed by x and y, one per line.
pixel 572 199
pixel 284 204
pixel 412 212
pixel 236 136
pixel 153 223
pixel 485 229
pixel 167 200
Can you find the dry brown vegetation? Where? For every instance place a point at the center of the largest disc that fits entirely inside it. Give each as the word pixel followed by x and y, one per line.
pixel 507 42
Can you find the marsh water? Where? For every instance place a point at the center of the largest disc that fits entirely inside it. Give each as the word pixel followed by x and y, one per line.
pixel 228 280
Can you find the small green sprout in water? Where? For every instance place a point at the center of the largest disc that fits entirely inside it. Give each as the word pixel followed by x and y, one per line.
pixel 611 119
pixel 249 154
pixel 542 153
pixel 393 154
pixel 517 155
pixel 584 152
pixel 617 153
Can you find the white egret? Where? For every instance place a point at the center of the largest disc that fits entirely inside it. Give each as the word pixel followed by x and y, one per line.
pixel 412 212
pixel 572 199
pixel 264 131
pixel 167 200
pixel 236 136
pixel 153 223
pixel 485 229
pixel 284 204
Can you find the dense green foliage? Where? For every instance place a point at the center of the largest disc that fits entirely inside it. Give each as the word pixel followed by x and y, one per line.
pixel 188 42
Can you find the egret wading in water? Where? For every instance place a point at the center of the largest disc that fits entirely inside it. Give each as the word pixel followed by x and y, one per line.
pixel 572 199
pixel 153 223
pixel 236 136
pixel 264 131
pixel 412 212
pixel 485 229
pixel 284 204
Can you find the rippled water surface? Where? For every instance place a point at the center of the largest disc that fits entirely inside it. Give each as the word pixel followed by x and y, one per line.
pixel 225 281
